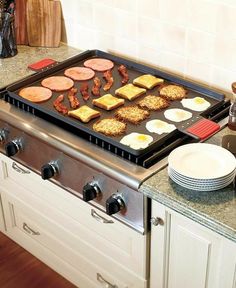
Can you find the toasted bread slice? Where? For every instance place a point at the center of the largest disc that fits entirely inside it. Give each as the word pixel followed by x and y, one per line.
pixel 108 102
pixel 84 113
pixel 130 92
pixel 148 81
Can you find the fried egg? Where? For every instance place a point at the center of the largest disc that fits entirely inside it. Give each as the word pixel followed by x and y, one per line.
pixel 136 140
pixel 177 115
pixel 159 126
pixel 196 104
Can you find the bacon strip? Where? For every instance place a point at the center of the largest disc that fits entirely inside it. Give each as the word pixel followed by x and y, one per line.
pixel 124 74
pixel 59 106
pixel 109 79
pixel 74 102
pixel 84 91
pixel 96 86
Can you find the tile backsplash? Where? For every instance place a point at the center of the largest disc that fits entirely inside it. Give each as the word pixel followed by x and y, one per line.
pixel 195 39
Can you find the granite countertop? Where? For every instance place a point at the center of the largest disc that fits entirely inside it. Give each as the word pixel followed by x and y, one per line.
pixel 215 210
pixel 15 68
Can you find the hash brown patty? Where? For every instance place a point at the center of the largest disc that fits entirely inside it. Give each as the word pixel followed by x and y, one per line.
pixel 132 114
pixel 110 127
pixel 153 103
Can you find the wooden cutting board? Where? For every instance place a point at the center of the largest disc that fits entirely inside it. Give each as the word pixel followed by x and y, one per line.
pixel 20 22
pixel 43 22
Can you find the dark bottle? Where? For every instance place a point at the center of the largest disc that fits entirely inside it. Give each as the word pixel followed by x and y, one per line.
pixel 232 110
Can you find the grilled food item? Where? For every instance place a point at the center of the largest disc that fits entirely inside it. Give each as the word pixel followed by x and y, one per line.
pixel 124 74
pixel 147 81
pixel 84 91
pixel 74 102
pixel 59 106
pixel 132 114
pixel 109 80
pixel 99 64
pixel 108 102
pixel 84 113
pixel 136 140
pixel 130 92
pixel 110 127
pixel 159 127
pixel 173 92
pixel 196 103
pixel 96 86
pixel 36 94
pixel 153 103
pixel 79 73
pixel 58 83
pixel 177 115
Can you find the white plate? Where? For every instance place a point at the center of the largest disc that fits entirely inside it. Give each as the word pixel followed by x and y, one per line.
pixel 199 188
pixel 202 181
pixel 202 161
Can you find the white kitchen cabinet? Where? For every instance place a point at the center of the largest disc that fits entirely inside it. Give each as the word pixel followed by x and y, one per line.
pixel 2 221
pixel 64 232
pixel 187 254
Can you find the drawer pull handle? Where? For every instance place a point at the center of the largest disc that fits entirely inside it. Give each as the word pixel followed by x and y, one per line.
pixel 19 169
pixel 30 230
pixel 157 221
pixel 100 218
pixel 104 282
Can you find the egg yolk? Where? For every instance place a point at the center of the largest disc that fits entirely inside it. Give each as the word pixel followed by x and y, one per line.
pixel 141 138
pixel 199 100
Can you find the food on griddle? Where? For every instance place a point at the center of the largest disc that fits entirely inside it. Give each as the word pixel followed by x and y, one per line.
pixel 159 127
pixel 74 102
pixel 124 74
pixel 108 102
pixel 99 64
pixel 84 91
pixel 84 113
pixel 196 104
pixel 58 83
pixel 136 140
pixel 59 106
pixel 177 115
pixel 107 75
pixel 153 103
pixel 79 73
pixel 36 94
pixel 132 114
pixel 110 127
pixel 173 92
pixel 96 87
pixel 130 92
pixel 147 81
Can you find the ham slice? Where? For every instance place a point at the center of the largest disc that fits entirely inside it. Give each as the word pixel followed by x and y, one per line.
pixel 79 73
pixel 99 64
pixel 36 94
pixel 58 83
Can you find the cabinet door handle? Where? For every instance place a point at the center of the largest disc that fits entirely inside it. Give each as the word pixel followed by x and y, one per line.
pixel 30 230
pixel 105 283
pixel 100 218
pixel 19 169
pixel 157 221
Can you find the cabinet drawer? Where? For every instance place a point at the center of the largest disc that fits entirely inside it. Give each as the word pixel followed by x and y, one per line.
pixel 22 219
pixel 109 238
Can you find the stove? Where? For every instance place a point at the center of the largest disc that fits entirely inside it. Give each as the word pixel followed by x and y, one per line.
pixel 93 168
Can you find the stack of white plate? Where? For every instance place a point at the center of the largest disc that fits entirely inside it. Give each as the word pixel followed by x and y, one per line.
pixel 202 166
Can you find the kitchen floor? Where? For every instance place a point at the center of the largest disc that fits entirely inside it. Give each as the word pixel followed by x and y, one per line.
pixel 20 269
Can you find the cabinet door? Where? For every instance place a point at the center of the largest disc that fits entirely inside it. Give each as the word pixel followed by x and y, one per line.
pixel 183 252
pixel 2 222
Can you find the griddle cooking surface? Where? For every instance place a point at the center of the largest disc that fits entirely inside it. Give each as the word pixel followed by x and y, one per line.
pixel 134 70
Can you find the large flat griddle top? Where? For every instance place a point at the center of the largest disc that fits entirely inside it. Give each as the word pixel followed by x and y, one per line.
pixel 134 70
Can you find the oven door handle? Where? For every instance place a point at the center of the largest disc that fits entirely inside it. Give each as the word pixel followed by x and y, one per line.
pixel 105 282
pixel 100 218
pixel 19 169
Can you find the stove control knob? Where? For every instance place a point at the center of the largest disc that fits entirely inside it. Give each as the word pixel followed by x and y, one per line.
pixel 13 147
pixel 49 170
pixel 90 191
pixel 114 204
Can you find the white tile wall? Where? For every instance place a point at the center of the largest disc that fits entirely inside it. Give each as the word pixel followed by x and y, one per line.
pixel 193 38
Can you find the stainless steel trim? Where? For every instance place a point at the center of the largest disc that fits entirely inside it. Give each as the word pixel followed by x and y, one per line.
pixel 105 282
pixel 19 169
pixel 100 218
pixel 30 230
